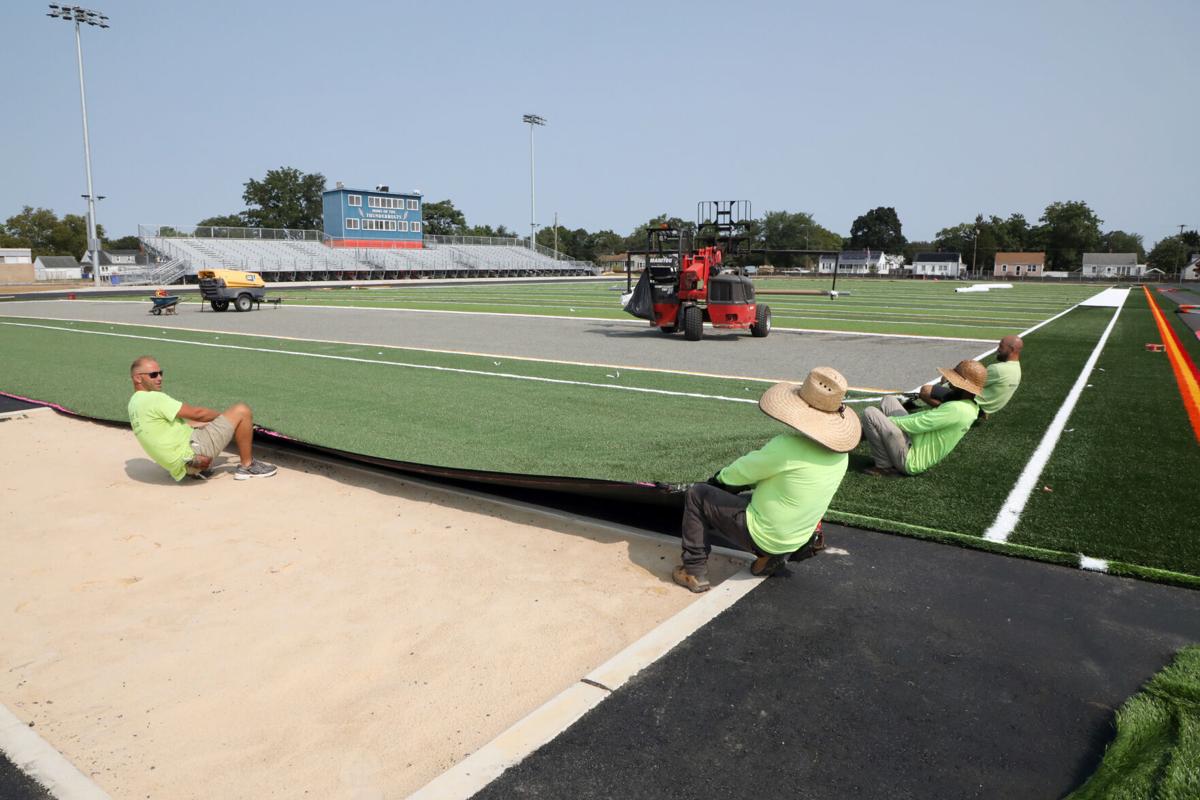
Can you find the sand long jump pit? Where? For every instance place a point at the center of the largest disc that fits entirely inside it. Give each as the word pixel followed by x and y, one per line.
pixel 328 632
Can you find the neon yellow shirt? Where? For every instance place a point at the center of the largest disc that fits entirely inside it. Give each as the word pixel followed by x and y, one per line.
pixel 794 480
pixel 1003 378
pixel 164 436
pixel 935 432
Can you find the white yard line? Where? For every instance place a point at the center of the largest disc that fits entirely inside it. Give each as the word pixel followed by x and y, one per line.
pixel 1010 513
pixel 34 756
pixel 429 367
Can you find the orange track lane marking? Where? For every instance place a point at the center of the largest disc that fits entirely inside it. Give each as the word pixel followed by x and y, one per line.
pixel 1186 374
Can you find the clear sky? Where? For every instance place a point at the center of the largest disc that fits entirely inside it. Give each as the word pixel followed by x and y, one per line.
pixel 941 109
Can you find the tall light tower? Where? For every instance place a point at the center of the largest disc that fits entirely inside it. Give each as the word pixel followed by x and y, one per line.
pixel 532 120
pixel 84 16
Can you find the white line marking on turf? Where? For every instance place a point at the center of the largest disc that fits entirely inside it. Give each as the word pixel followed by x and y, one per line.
pixel 477 770
pixel 530 359
pixel 430 367
pixel 1010 513
pixel 34 756
pixel 1092 564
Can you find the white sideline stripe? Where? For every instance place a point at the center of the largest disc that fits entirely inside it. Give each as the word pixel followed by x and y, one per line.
pixel 477 770
pixel 614 320
pixel 1092 564
pixel 34 756
pixel 1010 513
pixel 430 367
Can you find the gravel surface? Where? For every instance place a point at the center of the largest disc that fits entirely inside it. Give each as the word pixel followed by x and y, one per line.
pixel 873 362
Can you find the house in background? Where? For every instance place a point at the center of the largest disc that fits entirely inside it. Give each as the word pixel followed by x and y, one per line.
pixel 16 255
pixel 860 262
pixel 16 265
pixel 1112 265
pixel 57 268
pixel 1019 265
pixel 937 265
pixel 1191 270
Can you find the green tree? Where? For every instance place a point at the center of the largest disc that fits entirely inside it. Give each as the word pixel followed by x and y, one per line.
pixel 1068 231
pixel 637 239
pixel 443 219
pixel 911 250
pixel 1122 242
pixel 223 221
pixel 1172 252
pixel 878 229
pixel 285 198
pixel 783 230
pixel 70 236
pixel 124 243
pixel 32 228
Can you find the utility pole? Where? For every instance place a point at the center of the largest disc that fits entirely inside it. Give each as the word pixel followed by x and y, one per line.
pixel 1179 266
pixel 556 234
pixel 533 120
pixel 84 16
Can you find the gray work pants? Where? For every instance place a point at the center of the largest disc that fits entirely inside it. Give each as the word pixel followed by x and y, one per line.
pixel 889 445
pixel 709 511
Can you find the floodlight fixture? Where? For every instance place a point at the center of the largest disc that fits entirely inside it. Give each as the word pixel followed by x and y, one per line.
pixel 84 16
pixel 532 120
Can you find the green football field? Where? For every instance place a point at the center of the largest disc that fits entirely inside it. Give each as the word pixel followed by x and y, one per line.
pixel 1117 487
pixel 910 307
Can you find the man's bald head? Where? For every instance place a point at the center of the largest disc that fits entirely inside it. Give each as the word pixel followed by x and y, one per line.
pixel 140 362
pixel 1009 349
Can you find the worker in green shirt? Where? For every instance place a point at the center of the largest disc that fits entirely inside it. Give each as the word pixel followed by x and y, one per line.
pixel 160 423
pixel 1003 378
pixel 908 444
pixel 794 477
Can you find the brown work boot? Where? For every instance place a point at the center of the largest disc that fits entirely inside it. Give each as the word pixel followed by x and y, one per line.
pixel 766 566
pixel 693 583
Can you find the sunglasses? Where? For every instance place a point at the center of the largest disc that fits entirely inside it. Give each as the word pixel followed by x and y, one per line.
pixel 157 374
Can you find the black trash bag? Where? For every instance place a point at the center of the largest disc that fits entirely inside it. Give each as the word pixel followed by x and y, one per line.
pixel 641 302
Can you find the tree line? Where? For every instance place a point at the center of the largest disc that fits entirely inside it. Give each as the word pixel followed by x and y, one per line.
pixel 289 198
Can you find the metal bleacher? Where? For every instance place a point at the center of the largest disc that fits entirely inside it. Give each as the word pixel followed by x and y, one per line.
pixel 287 255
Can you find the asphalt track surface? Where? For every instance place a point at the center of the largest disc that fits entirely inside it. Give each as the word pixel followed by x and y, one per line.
pixel 871 362
pixel 905 669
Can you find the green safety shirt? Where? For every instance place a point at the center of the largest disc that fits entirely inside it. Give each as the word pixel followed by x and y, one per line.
pixel 1003 378
pixel 794 479
pixel 162 434
pixel 935 432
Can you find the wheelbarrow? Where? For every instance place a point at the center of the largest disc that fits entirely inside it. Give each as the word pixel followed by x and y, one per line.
pixel 164 305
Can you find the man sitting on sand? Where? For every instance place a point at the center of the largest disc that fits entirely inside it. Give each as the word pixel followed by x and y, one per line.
pixel 160 424
pixel 1003 378
pixel 794 477
pixel 908 444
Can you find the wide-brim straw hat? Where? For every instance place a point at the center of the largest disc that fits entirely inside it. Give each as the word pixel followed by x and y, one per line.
pixel 968 375
pixel 816 409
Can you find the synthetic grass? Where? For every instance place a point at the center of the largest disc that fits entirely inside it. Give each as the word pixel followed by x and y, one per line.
pixel 1124 477
pixel 1156 753
pixel 925 308
pixel 965 491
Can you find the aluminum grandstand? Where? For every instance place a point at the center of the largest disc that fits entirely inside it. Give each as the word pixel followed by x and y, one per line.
pixel 282 255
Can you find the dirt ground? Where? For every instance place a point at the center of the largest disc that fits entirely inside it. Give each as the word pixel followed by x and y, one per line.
pixel 324 633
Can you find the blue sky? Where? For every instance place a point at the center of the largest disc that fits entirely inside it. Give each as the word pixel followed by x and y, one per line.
pixel 941 109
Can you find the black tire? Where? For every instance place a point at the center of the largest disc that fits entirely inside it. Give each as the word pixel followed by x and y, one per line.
pixel 156 311
pixel 219 305
pixel 244 302
pixel 762 321
pixel 693 323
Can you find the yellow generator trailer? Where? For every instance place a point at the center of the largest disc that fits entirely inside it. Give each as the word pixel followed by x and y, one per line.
pixel 222 286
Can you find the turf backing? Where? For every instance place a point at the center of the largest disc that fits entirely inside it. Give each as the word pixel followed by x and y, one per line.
pixel 1125 475
pixel 1156 753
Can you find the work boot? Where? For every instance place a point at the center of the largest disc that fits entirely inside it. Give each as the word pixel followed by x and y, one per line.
pixel 693 583
pixel 766 566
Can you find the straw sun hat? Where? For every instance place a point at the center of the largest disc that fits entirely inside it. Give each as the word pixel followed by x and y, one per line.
pixel 815 409
pixel 968 375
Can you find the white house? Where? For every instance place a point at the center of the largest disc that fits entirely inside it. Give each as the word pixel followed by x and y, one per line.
pixel 1191 270
pixel 859 262
pixel 938 265
pixel 1112 265
pixel 16 255
pixel 56 268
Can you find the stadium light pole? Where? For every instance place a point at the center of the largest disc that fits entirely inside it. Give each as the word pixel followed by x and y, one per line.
pixel 533 120
pixel 84 16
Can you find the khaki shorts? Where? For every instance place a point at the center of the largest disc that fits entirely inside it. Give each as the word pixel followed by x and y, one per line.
pixel 209 440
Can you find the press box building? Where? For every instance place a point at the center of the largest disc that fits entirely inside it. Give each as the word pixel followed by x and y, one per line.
pixel 379 218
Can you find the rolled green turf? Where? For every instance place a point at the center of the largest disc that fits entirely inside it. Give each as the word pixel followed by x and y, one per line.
pixel 1156 753
pixel 1126 477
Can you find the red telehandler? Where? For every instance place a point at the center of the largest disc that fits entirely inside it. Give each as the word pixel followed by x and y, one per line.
pixel 693 278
